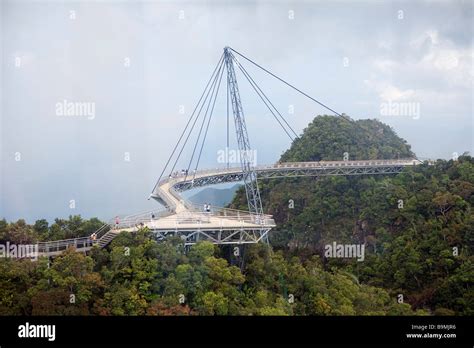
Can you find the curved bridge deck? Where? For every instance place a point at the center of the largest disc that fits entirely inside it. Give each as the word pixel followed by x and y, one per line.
pixel 219 225
pixel 280 170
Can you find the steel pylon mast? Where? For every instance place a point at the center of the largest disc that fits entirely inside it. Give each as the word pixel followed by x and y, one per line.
pixel 249 174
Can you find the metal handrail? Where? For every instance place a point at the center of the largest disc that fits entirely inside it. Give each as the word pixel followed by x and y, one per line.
pixel 286 165
pixel 204 217
pixel 228 212
pixel 406 161
pixel 135 220
pixel 80 242
pixel 189 177
pixel 53 246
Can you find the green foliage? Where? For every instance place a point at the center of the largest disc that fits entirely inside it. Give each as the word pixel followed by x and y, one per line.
pixel 328 138
pixel 20 232
pixel 67 286
pixel 138 276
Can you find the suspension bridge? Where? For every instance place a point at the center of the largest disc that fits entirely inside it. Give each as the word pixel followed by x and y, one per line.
pixel 193 223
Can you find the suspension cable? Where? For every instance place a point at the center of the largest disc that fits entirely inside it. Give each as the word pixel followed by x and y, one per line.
pixel 258 93
pixel 288 84
pixel 227 100
pixel 208 122
pixel 218 75
pixel 187 124
pixel 255 87
pixel 192 127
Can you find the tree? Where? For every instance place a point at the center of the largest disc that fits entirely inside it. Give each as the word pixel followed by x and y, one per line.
pixel 68 286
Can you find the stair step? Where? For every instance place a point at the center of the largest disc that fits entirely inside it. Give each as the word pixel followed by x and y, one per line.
pixel 107 238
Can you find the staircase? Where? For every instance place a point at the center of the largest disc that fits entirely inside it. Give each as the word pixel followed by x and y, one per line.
pixel 107 238
pixel 102 237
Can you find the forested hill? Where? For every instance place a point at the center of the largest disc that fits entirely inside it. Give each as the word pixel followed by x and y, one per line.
pixel 329 137
pixel 417 226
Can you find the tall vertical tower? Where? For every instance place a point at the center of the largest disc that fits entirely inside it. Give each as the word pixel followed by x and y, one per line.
pixel 248 170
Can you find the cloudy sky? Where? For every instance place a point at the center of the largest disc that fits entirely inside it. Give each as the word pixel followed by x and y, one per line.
pixel 141 67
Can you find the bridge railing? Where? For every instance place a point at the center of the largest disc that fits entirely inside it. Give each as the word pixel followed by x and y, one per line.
pixel 204 219
pixel 195 214
pixel 139 219
pixel 78 243
pixel 352 163
pixel 289 165
pixel 62 245
pixel 230 214
pixel 190 176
